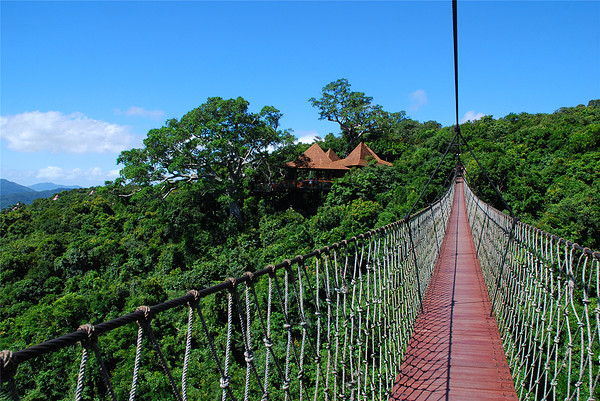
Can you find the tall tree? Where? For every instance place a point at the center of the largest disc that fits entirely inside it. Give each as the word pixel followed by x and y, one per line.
pixel 359 119
pixel 353 111
pixel 220 142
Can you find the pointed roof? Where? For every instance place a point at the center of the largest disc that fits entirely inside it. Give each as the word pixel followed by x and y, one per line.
pixel 316 159
pixel 332 155
pixel 358 157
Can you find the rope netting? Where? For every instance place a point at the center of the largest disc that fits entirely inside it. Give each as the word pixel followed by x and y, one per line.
pixel 544 291
pixel 331 324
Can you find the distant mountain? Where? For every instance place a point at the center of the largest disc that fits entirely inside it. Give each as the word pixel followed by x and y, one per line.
pixel 9 187
pixel 11 192
pixel 49 186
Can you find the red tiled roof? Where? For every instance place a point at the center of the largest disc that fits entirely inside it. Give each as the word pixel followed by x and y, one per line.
pixel 358 157
pixel 332 155
pixel 316 159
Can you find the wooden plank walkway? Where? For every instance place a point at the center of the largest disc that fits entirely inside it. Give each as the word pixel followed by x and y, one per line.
pixel 455 352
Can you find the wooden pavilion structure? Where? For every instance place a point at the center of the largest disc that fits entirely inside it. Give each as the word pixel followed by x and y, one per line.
pixel 321 167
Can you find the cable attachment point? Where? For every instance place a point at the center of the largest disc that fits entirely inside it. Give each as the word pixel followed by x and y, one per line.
pixel 91 336
pixel 8 365
pixel 196 295
pixel 250 276
pixel 224 382
pixel 145 321
pixel 232 282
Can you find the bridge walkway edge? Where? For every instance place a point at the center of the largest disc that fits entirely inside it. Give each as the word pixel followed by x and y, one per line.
pixel 455 352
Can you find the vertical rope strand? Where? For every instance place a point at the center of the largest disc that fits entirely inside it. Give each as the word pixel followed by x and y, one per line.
pixel 81 375
pixel 188 349
pixel 136 364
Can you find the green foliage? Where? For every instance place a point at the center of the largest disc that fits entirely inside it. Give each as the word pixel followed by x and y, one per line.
pixel 94 255
pixel 546 165
pixel 357 117
pixel 218 142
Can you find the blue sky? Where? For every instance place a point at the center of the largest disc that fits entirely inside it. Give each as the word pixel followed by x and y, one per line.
pixel 81 81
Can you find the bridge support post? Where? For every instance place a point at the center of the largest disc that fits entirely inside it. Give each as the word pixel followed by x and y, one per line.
pixel 414 252
pixel 503 262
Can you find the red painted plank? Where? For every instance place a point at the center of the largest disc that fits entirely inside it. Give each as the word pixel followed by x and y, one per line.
pixel 455 352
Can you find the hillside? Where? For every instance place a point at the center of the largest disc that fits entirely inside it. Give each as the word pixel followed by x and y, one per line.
pixel 12 193
pixel 94 255
pixel 9 187
pixel 49 186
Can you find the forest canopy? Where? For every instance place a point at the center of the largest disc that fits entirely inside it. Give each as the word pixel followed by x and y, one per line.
pixel 97 253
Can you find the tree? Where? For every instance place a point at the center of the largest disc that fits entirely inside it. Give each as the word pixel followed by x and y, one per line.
pixel 219 142
pixel 353 111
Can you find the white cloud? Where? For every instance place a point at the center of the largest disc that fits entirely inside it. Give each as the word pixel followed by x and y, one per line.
pixel 418 99
pixel 62 133
pixel 306 136
pixel 92 174
pixel 471 116
pixel 135 111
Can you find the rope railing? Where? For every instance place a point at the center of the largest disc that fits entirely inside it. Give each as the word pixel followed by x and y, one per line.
pixel 547 304
pixel 330 324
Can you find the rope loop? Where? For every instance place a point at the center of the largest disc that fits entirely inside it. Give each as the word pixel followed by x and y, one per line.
pixel 196 295
pixel 224 382
pixel 147 315
pixel 91 337
pixel 249 356
pixel 300 258
pixel 232 283
pixel 250 276
pixel 272 270
pixel 8 365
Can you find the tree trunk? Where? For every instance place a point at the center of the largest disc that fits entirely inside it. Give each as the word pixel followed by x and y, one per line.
pixel 236 210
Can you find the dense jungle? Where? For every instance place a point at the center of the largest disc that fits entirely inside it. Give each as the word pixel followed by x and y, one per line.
pixel 191 209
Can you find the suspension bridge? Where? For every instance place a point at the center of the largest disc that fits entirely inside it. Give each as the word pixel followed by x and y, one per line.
pixel 457 301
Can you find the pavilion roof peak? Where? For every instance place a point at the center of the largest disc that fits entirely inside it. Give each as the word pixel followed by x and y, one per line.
pixel 314 158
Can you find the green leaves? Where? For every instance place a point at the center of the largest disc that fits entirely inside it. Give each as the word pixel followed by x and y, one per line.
pixel 353 111
pixel 220 142
pixel 546 165
pixel 92 256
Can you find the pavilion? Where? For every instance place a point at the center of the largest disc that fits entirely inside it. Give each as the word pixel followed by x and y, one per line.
pixel 328 165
